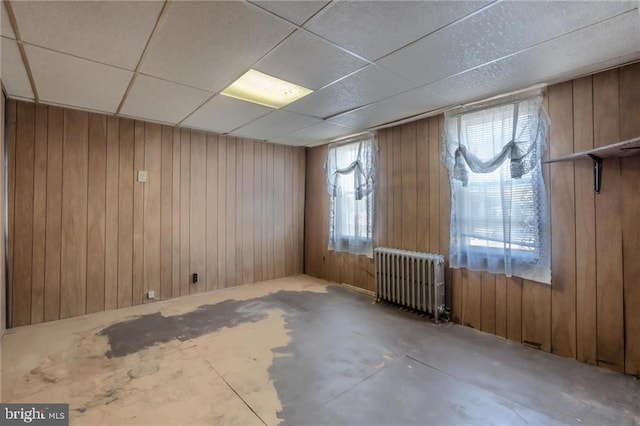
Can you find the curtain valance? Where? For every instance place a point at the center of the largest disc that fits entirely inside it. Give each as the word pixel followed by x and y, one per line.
pixel 362 168
pixel 519 131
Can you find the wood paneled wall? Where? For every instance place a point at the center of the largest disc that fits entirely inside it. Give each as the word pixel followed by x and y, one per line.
pixel 85 236
pixel 3 281
pixel 590 312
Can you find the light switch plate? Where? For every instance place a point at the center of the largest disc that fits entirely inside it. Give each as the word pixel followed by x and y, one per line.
pixel 142 176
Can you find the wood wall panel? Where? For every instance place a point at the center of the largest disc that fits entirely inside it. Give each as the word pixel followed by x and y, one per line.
pixel 563 212
pixel 137 284
pixel 3 280
pixel 299 179
pixel 212 212
pixel 434 185
pixel 12 117
pixel 381 194
pixel 39 215
pixel 422 184
pixel 279 153
pixel 488 303
pixel 53 226
pixel 258 215
pixel 302 182
pixel 96 193
pixel 315 246
pixel 73 280
pixel 270 211
pixel 409 187
pixel 589 312
pixel 609 270
pixel 297 211
pixel 630 174
pixel 396 187
pixel 86 236
pixel 248 203
pixel 111 214
pixel 514 309
pixel 152 208
pixel 536 315
pixel 125 214
pixel 230 222
pixel 166 213
pixel 222 211
pixel 239 216
pixel 501 305
pixel 387 136
pixel 472 299
pixel 585 223
pixel 23 211
pixel 287 207
pixel 175 211
pixel 198 211
pixel 185 211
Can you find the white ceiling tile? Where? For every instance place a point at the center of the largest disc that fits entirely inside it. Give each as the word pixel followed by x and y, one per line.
pixel 373 29
pixel 222 114
pixel 297 12
pixel 7 29
pixel 162 100
pixel 309 61
pixel 417 101
pixel 273 125
pixel 67 80
pixel 208 44
pixel 565 56
pixel 111 32
pixel 14 75
pixel 322 131
pixel 497 31
pixel 368 85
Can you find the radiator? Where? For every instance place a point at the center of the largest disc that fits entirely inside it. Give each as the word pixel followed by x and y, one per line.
pixel 410 279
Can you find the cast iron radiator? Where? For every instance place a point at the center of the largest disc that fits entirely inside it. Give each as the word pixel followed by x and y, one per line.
pixel 410 279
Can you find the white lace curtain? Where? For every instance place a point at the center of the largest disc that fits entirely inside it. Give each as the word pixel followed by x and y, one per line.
pixel 350 172
pixel 499 208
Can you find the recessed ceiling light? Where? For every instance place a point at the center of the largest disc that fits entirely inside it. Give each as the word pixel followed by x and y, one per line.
pixel 264 89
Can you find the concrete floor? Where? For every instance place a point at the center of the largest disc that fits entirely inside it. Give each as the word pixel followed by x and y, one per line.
pixel 296 351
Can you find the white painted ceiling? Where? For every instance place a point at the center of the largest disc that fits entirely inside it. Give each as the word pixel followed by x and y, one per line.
pixel 368 62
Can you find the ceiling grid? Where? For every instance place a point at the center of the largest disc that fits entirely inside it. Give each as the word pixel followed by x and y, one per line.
pixel 368 63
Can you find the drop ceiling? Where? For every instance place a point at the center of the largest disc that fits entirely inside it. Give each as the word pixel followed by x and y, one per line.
pixel 369 62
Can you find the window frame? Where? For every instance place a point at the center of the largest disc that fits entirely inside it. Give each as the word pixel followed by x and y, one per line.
pixel 511 235
pixel 351 220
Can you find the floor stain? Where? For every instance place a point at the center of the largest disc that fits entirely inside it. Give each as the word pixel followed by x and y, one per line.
pixel 131 336
pixel 128 337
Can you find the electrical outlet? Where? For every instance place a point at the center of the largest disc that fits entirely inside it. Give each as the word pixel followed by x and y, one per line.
pixel 151 294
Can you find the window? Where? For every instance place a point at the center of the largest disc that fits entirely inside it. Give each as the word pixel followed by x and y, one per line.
pixel 499 210
pixel 351 169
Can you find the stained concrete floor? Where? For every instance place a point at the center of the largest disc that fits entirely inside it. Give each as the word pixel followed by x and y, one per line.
pixel 298 351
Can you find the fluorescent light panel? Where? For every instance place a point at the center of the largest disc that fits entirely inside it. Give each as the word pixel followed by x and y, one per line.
pixel 263 89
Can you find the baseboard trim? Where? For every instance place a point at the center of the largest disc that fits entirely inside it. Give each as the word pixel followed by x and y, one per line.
pixel 369 293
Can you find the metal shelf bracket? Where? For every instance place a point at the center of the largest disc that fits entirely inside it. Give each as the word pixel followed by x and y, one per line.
pixel 597 172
